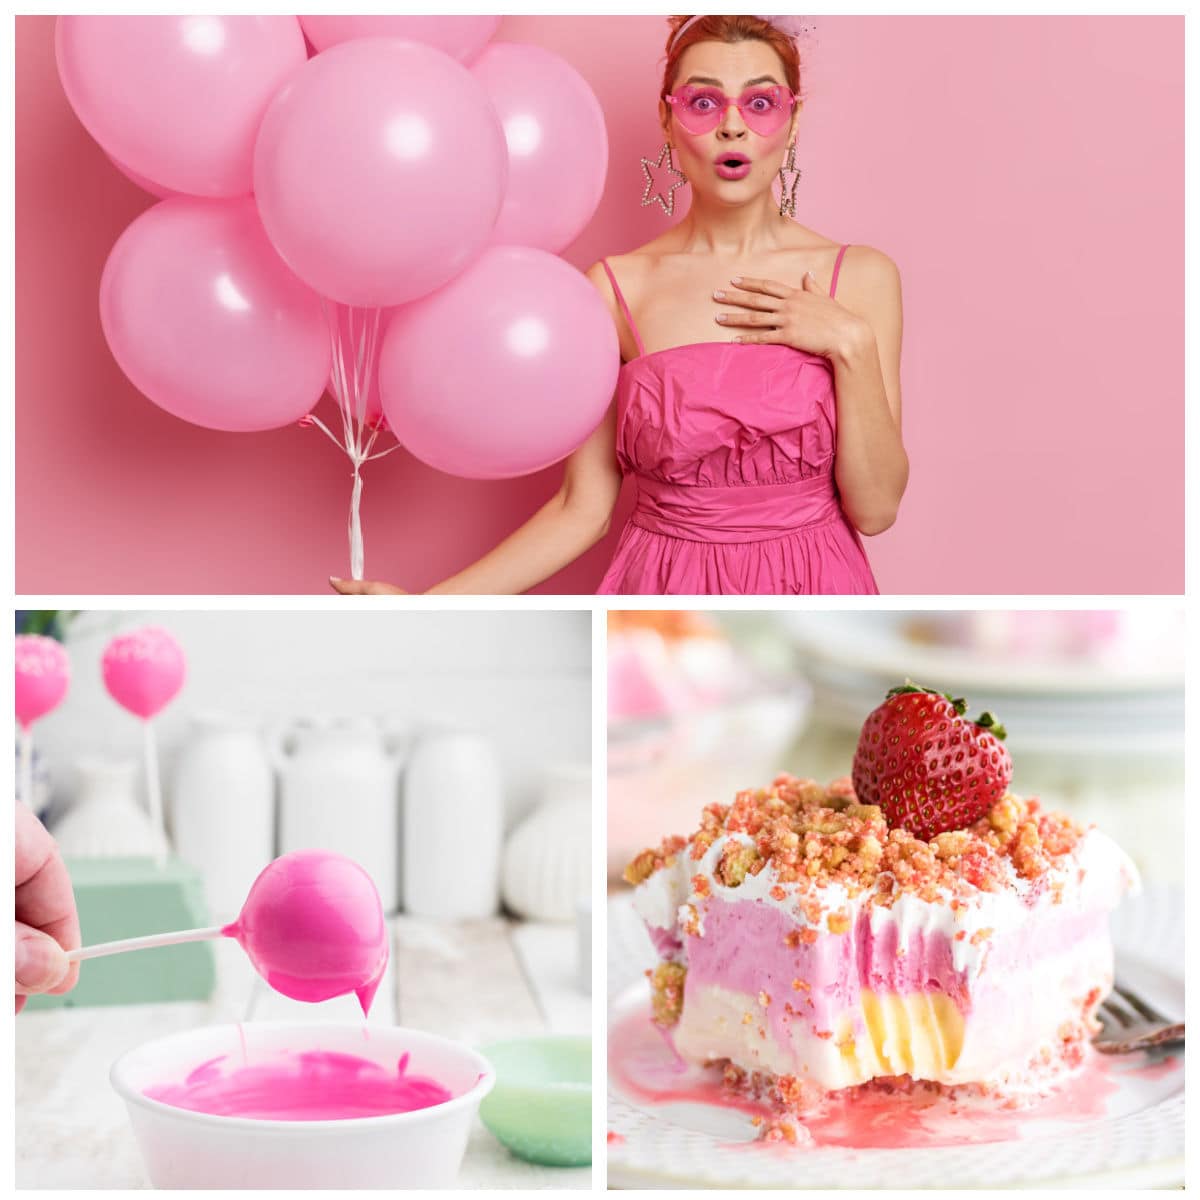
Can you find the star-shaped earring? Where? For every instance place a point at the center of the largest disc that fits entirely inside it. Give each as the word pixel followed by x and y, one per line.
pixel 789 176
pixel 660 173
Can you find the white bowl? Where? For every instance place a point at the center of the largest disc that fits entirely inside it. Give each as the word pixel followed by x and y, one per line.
pixel 184 1149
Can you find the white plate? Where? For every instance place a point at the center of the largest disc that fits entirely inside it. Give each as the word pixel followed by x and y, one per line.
pixel 1138 1144
pixel 876 644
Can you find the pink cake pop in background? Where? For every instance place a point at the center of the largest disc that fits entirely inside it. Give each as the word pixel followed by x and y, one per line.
pixel 313 927
pixel 43 672
pixel 144 670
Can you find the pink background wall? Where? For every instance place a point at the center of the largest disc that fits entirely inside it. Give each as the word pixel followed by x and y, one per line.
pixel 1026 175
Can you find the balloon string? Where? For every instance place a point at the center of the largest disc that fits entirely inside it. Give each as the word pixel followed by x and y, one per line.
pixel 337 377
pixel 326 431
pixel 349 388
pixel 356 538
pixel 343 394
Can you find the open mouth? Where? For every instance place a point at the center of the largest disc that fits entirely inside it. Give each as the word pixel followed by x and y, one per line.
pixel 732 166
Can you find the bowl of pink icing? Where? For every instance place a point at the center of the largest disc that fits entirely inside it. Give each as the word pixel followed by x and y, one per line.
pixel 293 1105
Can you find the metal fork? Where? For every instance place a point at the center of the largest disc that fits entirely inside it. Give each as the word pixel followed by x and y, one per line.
pixel 1130 1023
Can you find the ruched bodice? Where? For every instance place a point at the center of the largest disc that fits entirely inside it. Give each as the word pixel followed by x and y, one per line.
pixel 686 416
pixel 732 447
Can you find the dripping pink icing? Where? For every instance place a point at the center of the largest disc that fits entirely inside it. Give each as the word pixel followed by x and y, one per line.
pixel 315 1085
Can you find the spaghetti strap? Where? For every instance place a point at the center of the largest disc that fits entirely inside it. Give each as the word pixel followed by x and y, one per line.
pixel 837 266
pixel 637 337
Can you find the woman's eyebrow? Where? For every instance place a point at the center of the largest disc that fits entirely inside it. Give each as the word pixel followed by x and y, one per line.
pixel 717 83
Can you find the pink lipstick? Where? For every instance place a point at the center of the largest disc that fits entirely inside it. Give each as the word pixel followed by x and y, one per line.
pixel 733 165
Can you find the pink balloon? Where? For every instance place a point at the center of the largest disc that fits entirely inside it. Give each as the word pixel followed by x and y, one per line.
pixel 503 371
pixel 379 171
pixel 147 185
pixel 206 320
pixel 460 37
pixel 557 145
pixel 178 99
pixel 43 672
pixel 144 670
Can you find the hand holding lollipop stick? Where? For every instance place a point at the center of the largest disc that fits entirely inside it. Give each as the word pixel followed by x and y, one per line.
pixel 312 926
pixel 143 672
pixel 43 672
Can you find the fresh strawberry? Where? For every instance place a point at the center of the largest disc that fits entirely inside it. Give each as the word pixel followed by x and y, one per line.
pixel 927 766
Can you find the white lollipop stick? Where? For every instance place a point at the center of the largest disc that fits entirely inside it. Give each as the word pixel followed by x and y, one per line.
pixel 154 791
pixel 102 949
pixel 27 764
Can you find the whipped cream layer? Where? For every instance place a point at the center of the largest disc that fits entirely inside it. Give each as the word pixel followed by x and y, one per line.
pixel 953 990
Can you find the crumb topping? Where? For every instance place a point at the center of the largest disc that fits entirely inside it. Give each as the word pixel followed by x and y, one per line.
pixel 653 860
pixel 666 992
pixel 811 836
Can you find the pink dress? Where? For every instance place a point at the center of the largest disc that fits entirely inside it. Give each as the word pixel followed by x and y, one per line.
pixel 732 446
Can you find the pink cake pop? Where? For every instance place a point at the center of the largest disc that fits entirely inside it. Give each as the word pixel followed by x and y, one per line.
pixel 313 927
pixel 43 672
pixel 144 670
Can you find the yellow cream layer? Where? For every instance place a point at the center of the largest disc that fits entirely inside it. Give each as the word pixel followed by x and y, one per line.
pixel 918 1034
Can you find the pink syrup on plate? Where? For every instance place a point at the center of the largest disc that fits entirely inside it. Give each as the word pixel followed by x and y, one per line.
pixel 313 927
pixel 644 1067
pixel 312 1085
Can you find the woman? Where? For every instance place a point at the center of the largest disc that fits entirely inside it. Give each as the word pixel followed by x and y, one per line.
pixel 758 403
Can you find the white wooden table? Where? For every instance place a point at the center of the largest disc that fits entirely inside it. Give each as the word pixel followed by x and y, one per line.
pixel 476 981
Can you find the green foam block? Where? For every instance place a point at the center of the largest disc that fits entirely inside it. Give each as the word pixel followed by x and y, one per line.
pixel 130 897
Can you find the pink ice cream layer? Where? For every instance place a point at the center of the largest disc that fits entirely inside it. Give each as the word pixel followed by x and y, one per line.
pixel 743 949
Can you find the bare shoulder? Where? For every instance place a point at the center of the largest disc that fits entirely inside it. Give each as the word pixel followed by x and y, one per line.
pixel 867 270
pixel 622 265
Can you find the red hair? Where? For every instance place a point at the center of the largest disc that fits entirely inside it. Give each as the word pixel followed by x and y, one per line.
pixel 730 29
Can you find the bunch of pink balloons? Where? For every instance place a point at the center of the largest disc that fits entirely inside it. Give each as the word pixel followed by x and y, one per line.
pixel 404 156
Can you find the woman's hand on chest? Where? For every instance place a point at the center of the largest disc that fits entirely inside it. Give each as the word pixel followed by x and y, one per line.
pixel 768 312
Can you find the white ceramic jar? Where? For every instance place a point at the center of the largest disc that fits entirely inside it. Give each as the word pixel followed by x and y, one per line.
pixel 106 818
pixel 453 827
pixel 338 791
pixel 222 808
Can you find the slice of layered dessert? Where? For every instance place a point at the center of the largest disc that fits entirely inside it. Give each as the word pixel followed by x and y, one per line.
pixel 918 921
